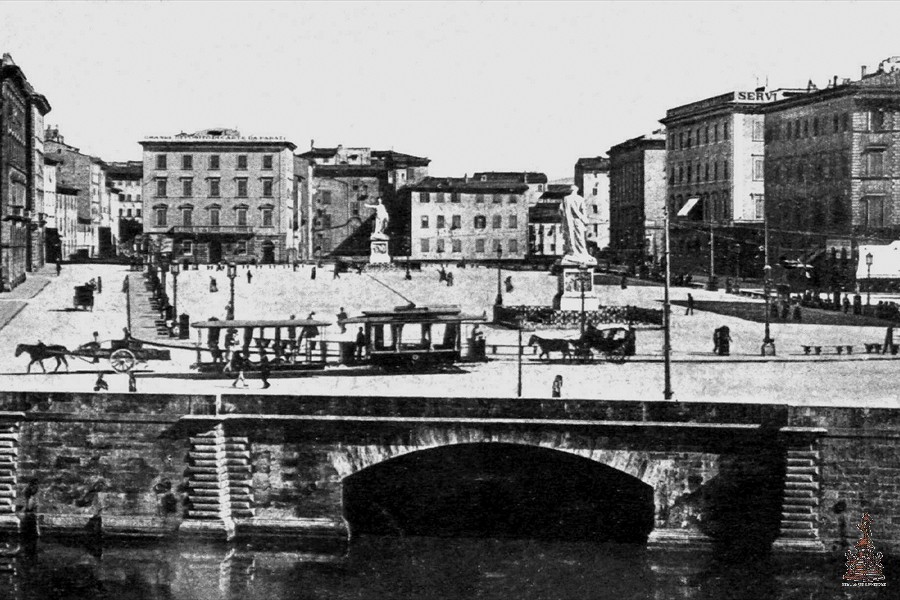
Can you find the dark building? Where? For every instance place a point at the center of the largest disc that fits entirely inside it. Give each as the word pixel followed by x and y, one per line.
pixel 832 176
pixel 21 175
pixel 545 236
pixel 637 195
pixel 336 184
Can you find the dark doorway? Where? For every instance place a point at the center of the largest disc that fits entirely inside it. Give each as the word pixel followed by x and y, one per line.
pixel 215 252
pixel 268 251
pixel 498 490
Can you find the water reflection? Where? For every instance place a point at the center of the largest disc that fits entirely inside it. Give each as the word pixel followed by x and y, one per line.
pixel 398 568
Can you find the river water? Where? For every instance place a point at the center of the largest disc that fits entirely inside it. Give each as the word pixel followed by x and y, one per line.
pixel 420 568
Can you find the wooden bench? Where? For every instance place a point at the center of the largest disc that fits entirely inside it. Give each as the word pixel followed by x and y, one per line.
pixel 807 349
pixel 877 348
pixel 841 347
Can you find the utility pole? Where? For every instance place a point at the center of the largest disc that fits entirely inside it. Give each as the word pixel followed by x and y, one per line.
pixel 768 345
pixel 667 346
pixel 712 257
pixel 519 360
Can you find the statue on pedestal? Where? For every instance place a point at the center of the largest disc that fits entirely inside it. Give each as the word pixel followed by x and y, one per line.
pixel 575 230
pixel 379 232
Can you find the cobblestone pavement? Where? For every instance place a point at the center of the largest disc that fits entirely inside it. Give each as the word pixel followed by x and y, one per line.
pixel 279 292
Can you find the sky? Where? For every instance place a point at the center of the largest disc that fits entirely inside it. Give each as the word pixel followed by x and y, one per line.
pixel 478 86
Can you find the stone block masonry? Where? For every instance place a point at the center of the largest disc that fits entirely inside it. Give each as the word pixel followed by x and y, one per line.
pixel 277 466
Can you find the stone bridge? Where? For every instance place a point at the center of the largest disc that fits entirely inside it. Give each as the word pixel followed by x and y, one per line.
pixel 325 468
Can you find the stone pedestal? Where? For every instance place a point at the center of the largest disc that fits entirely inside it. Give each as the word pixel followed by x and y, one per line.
pixel 378 252
pixel 568 294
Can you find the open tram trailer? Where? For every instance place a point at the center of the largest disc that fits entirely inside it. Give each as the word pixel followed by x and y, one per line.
pixel 413 337
pixel 278 339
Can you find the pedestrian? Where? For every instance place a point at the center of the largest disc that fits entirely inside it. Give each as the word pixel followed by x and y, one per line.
pixel 100 384
pixel 724 341
pixel 295 266
pixel 797 315
pixel 132 382
pixel 309 332
pixel 509 284
pixel 359 268
pixel 442 275
pixel 312 273
pixel 557 386
pixel 126 334
pixel 249 275
pixel 846 304
pixel 237 366
pixel 99 285
pixel 58 267
pixel 449 279
pixel 341 317
pixel 888 340
pixel 360 343
pixel 624 283
pixel 716 333
pixel 785 311
pixel 336 274
pixel 213 286
pixel 264 371
pixel 94 346
pixel 690 305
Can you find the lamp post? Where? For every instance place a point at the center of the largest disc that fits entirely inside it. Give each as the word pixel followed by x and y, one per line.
pixel 869 279
pixel 232 273
pixel 175 269
pixel 583 276
pixel 768 345
pixel 499 300
pixel 667 346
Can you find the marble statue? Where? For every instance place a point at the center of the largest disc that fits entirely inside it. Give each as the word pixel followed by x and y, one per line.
pixel 382 219
pixel 575 230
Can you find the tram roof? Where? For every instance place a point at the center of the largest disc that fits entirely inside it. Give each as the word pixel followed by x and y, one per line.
pixel 416 314
pixel 243 324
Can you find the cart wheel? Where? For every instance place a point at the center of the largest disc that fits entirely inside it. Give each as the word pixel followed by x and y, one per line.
pixel 616 356
pixel 122 360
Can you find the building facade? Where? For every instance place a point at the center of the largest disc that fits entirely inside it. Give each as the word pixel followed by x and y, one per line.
pixel 127 204
pixel 21 175
pixel 545 222
pixel 637 196
pixel 833 172
pixel 216 195
pixel 86 175
pixel 592 180
pixel 716 152
pixel 60 214
pixel 469 219
pixel 336 184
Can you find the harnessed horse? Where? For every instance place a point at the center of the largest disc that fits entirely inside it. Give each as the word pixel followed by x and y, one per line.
pixel 40 352
pixel 548 345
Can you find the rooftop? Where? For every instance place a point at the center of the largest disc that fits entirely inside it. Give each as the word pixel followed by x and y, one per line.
pixel 218 136
pixel 595 163
pixel 654 140
pixel 516 176
pixel 467 185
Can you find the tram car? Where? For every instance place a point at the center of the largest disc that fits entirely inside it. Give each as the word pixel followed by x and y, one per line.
pixel 411 337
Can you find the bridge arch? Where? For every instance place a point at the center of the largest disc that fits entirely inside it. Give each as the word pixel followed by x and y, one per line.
pixel 497 489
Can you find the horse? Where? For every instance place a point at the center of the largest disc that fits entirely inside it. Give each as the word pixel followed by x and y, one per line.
pixel 39 352
pixel 548 345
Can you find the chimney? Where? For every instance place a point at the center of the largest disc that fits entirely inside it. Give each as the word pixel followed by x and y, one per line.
pixel 835 80
pixel 312 144
pixel 862 70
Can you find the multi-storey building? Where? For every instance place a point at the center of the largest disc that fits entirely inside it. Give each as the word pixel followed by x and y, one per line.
pixel 87 175
pixel 592 180
pixel 336 184
pixel 127 205
pixel 545 235
pixel 216 195
pixel 716 152
pixel 60 214
pixel 832 172
pixel 21 177
pixel 637 196
pixel 456 218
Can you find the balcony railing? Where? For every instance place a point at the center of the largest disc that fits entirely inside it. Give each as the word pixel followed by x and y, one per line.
pixel 212 229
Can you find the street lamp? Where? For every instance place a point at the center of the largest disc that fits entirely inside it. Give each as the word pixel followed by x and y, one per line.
pixel 667 345
pixel 768 345
pixel 869 279
pixel 232 273
pixel 175 269
pixel 499 300
pixel 583 276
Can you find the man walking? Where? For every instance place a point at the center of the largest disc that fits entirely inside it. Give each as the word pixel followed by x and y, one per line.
pixel 341 316
pixel 690 305
pixel 249 275
pixel 360 343
pixel 237 366
pixel 58 268
pixel 264 371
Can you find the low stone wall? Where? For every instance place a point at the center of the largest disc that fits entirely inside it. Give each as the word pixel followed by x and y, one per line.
pixel 544 317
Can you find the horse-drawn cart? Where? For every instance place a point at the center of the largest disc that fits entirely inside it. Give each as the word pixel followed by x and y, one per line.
pixel 84 297
pixel 615 344
pixel 122 355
